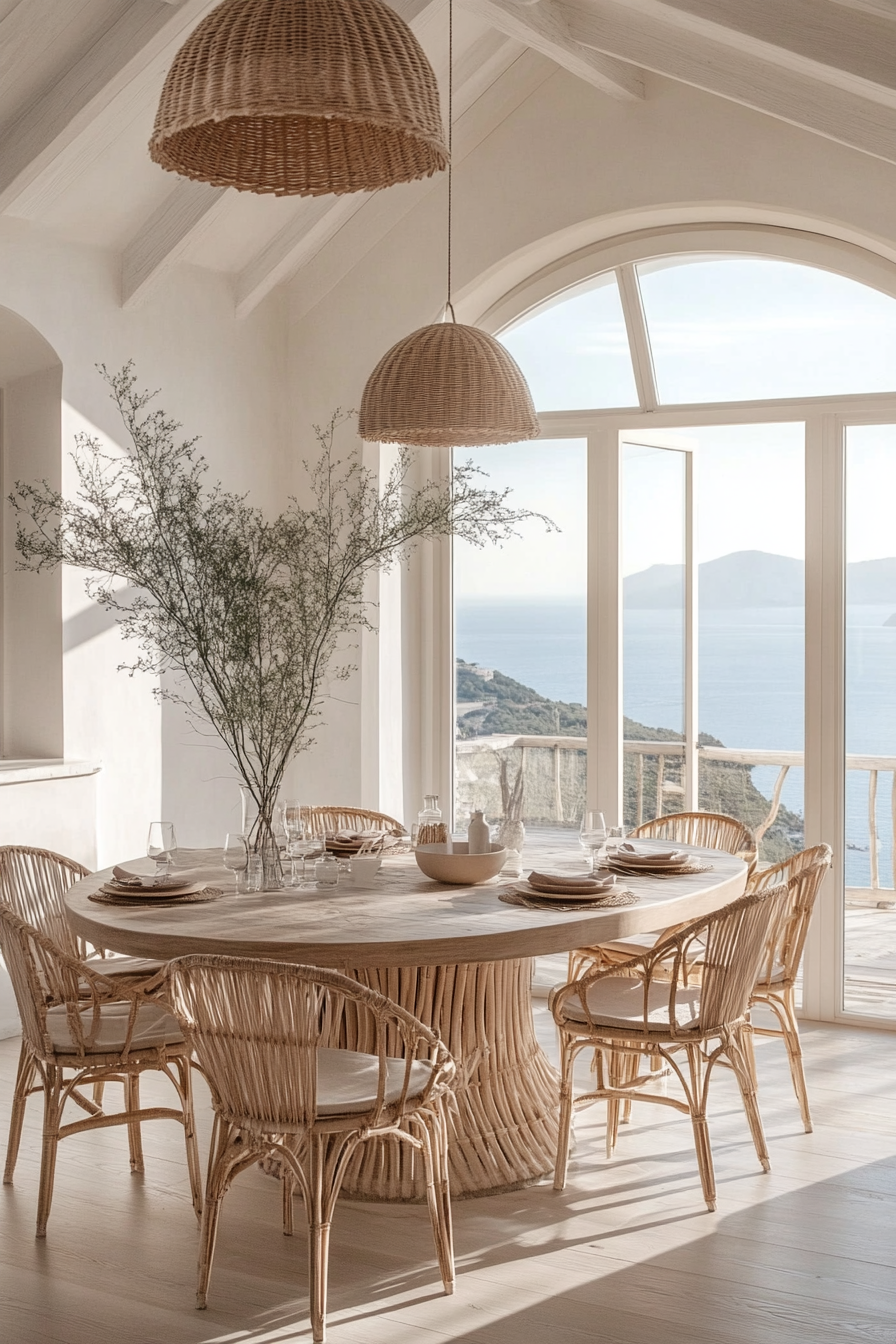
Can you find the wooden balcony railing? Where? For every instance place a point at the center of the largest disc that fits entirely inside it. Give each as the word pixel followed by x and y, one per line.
pixel 652 802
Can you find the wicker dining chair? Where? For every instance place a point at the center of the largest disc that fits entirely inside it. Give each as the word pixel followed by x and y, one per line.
pixel 776 983
pixel 709 830
pixel 641 1008
pixel 325 819
pixel 34 882
pixel 78 1028
pixel 260 1033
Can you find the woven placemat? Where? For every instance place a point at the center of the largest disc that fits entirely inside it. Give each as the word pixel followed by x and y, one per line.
pixel 196 898
pixel 687 868
pixel 512 897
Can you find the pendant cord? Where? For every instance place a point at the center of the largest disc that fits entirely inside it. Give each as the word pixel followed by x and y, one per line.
pixel 449 306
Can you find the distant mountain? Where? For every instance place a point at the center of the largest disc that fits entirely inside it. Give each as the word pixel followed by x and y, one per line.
pixel 754 579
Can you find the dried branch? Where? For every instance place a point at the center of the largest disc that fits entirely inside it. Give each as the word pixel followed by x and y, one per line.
pixel 246 613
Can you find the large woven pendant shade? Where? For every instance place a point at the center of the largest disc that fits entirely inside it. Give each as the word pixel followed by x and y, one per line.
pixel 447 386
pixel 300 98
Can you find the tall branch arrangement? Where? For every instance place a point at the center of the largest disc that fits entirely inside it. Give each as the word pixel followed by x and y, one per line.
pixel 245 611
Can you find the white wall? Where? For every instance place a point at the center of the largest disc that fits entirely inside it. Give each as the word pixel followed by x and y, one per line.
pixel 568 168
pixel 224 380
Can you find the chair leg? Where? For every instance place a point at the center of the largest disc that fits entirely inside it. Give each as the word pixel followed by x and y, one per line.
pixel 435 1156
pixel 132 1105
pixel 318 1237
pixel 791 1033
pixel 25 1075
pixel 219 1164
pixel 287 1191
pixel 617 1073
pixel 567 1066
pixel 738 1046
pixel 49 1146
pixel 697 1104
pixel 185 1075
pixel 98 1089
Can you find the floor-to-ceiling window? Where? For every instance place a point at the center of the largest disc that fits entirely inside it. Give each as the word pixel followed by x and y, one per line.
pixel 731 367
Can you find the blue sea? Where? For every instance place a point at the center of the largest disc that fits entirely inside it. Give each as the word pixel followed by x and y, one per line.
pixel 751 671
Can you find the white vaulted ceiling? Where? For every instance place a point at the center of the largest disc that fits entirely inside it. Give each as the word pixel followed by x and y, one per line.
pixel 80 80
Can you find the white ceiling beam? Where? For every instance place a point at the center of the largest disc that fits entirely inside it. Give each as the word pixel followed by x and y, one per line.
pixel 164 238
pixel 853 50
pixel 319 219
pixel 50 124
pixel 665 47
pixel 543 27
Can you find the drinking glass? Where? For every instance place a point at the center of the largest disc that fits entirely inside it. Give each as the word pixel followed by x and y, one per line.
pixel 236 857
pixel 305 847
pixel 160 846
pixel 592 835
pixel 616 835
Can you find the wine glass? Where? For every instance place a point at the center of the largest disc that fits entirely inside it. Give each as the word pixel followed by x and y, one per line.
pixel 592 834
pixel 236 855
pixel 160 846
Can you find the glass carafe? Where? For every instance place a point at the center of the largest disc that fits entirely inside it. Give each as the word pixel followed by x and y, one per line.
pixel 431 829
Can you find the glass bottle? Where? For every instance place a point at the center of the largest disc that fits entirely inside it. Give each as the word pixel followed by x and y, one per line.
pixel 431 829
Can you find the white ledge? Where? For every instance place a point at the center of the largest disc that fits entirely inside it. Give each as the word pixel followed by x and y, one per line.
pixel 30 772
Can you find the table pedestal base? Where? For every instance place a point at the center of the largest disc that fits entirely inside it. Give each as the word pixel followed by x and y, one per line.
pixel 503 1133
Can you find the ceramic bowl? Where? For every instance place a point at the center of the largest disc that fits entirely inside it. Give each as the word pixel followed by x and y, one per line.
pixel 453 863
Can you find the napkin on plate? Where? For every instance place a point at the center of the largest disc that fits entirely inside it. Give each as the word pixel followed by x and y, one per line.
pixel 570 883
pixel 147 881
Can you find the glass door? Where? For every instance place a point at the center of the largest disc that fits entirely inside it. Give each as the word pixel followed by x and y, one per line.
pixel 659 610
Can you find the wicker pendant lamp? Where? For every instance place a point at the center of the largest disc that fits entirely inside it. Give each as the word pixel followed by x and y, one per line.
pixel 447 385
pixel 300 98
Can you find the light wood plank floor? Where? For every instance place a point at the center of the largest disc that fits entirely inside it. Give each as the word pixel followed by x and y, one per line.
pixel 626 1255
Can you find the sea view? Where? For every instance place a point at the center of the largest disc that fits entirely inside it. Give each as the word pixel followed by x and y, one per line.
pixel 751 667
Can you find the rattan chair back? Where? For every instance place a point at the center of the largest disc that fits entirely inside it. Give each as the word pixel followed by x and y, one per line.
pixel 710 830
pixel 34 882
pixel 325 819
pixel 728 948
pixel 803 874
pixel 102 1032
pixel 43 977
pixel 256 1028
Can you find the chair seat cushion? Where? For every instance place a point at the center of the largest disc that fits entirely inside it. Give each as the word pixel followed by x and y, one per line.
pixel 114 966
pixel 634 946
pixel 347 1081
pixel 153 1027
pixel 618 1002
pixel 778 973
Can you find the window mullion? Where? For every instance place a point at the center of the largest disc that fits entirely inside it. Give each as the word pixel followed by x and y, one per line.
pixel 638 339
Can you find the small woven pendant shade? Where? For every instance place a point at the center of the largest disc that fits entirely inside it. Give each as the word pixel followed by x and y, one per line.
pixel 300 98
pixel 447 386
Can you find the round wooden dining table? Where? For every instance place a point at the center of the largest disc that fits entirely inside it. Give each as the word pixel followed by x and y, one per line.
pixel 457 957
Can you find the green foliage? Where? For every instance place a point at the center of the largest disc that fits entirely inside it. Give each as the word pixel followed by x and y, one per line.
pixel 510 707
pixel 240 615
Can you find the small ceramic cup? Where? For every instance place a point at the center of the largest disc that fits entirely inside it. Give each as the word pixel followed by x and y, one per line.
pixel 364 867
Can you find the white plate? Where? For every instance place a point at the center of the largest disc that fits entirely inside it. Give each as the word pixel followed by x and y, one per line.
pixel 152 893
pixel 524 889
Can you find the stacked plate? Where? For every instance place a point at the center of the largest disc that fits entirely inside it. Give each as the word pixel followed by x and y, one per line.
pixel 566 887
pixel 133 887
pixel 346 843
pixel 630 859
